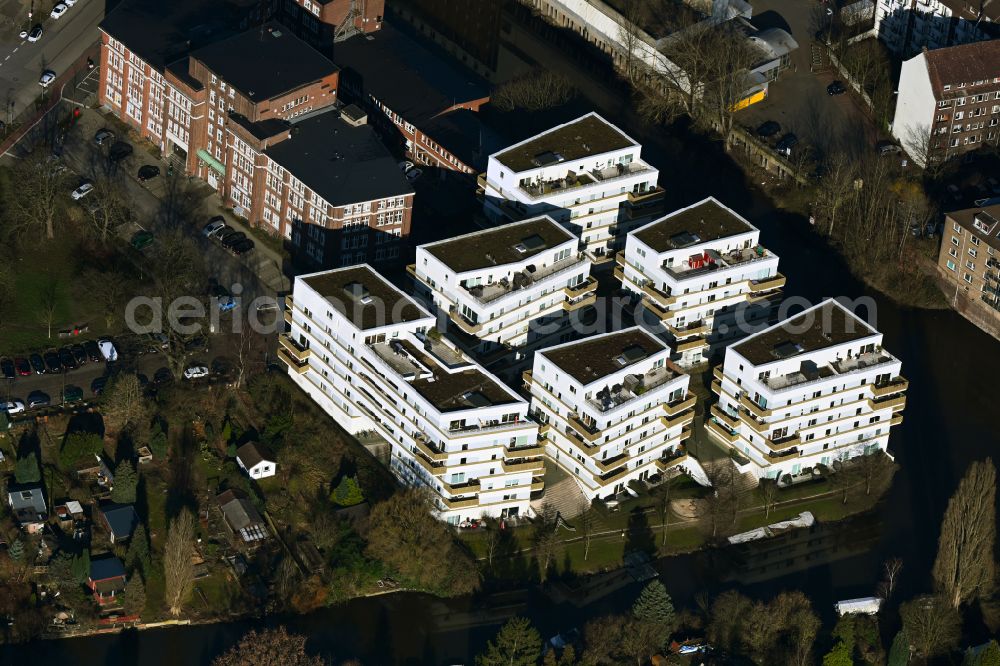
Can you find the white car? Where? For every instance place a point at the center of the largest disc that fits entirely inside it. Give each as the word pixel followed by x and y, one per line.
pixel 82 191
pixel 108 350
pixel 35 34
pixel 48 76
pixel 196 372
pixel 69 3
pixel 58 10
pixel 12 407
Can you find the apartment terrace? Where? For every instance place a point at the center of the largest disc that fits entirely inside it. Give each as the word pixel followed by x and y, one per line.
pixel 573 180
pixel 585 137
pixel 633 387
pixel 711 261
pixel 520 280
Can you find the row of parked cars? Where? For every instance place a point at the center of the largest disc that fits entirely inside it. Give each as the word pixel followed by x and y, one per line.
pixel 229 238
pixel 55 361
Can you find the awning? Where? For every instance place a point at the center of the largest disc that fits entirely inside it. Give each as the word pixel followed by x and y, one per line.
pixel 207 158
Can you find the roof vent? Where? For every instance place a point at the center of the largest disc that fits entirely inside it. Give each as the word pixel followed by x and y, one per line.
pixel 547 158
pixel 631 354
pixel 357 292
pixel 787 349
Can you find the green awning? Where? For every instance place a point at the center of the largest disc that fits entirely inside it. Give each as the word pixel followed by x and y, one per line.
pixel 207 158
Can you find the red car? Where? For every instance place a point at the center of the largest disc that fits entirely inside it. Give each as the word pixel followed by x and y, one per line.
pixel 23 367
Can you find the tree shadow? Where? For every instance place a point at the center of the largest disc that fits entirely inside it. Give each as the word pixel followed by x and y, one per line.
pixel 639 536
pixel 181 490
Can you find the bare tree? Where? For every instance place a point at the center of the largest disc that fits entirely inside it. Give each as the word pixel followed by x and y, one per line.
pixel 586 524
pixel 769 495
pixel 48 303
pixel 718 506
pixel 177 566
pixel 629 38
pixel 122 402
pixel 890 576
pixel 492 541
pixel 546 541
pixel 39 197
pixel 835 186
pixel 107 205
pixel 965 568
pixel 177 272
pixel 661 503
pixel 535 91
pixel 110 288
pixel 875 471
pixel 932 625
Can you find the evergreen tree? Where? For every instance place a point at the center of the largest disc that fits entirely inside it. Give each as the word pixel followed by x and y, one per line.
pixel 516 644
pixel 61 570
pixel 899 653
pixel 655 605
pixel 348 492
pixel 81 566
pixel 26 469
pixel 134 596
pixel 126 481
pixel 16 550
pixel 138 550
pixel 990 656
pixel 158 441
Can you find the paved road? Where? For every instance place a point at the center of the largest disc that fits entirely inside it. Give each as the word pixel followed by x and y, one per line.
pixel 63 41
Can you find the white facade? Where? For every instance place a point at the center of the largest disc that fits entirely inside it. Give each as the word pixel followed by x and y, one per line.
pixel 809 391
pixel 367 354
pixel 260 470
pixel 701 272
pixel 915 106
pixel 510 286
pixel 907 26
pixel 614 409
pixel 587 175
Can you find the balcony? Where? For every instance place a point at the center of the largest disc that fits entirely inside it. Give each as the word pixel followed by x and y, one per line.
pixel 588 286
pixel 716 387
pixel 711 261
pixel 526 378
pixel 522 466
pixel 722 432
pixel 677 406
pixel 672 459
pixel 576 304
pixel 681 419
pixel 644 198
pixel 608 464
pixel 537 485
pixel 897 385
pixel 720 414
pixel 692 329
pixel 481 181
pixel 718 373
pixel 464 324
pixel 587 432
pixel 455 504
pixel 434 470
pixel 557 186
pixel 431 453
pixel 607 479
pixel 691 345
pixel 412 270
pixel 289 360
pixel 896 403
pixel 776 282
pixel 754 408
pixel 619 273
pixel 755 298
pixel 464 488
pixel 288 316
pixel 521 280
pixel 783 455
pixel 896 420
pixel 295 350
pixel 533 451
pixel 633 387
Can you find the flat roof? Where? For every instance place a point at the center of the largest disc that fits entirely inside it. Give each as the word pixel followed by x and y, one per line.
pixel 590 359
pixel 702 222
pixel 825 325
pixel 342 163
pixel 265 62
pixel 499 245
pixel 161 32
pixel 467 389
pixel 365 297
pixel 577 139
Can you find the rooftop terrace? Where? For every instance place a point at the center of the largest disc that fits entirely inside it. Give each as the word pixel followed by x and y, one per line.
pixel 592 359
pixel 711 261
pixel 815 329
pixel 584 137
pixel 506 244
pixel 364 297
pixel 703 222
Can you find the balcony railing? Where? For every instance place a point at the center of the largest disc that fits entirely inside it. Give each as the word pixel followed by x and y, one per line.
pixel 290 361
pixel 465 324
pixel 587 286
pixel 754 408
pixel 721 431
pixel 767 284
pixel 296 350
pixel 896 385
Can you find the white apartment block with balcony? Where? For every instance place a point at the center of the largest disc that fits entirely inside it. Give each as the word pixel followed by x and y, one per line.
pixel 703 274
pixel 613 409
pixel 369 356
pixel 587 175
pixel 512 286
pixel 816 389
pixel 909 26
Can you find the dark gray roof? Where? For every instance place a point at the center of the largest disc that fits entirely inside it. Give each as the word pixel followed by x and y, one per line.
pixel 594 358
pixel 406 77
pixel 238 510
pixel 252 453
pixel 160 32
pixel 265 62
pixel 121 518
pixel 341 163
pixel 105 568
pixel 464 135
pixel 365 297
pixel 26 498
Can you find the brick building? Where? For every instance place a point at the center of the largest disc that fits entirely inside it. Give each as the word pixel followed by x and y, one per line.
pixel 970 257
pixel 949 101
pixel 322 22
pixel 413 98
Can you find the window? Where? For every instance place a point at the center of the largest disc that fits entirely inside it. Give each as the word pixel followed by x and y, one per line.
pixel 967 278
pixel 950 265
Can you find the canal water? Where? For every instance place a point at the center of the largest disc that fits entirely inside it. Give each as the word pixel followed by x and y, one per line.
pixel 948 423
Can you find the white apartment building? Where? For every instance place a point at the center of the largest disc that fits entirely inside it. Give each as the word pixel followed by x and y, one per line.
pixel 586 174
pixel 816 389
pixel 512 286
pixel 702 273
pixel 613 409
pixel 907 26
pixel 370 356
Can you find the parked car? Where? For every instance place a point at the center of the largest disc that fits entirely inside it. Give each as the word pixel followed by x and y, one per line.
pixel 37 364
pixel 52 363
pixel 108 350
pixel 12 407
pixel 196 372
pixel 836 88
pixel 228 303
pixel 214 226
pixel 46 79
pixel 93 352
pixel 82 191
pixel 98 385
pixel 163 376
pixel 72 394
pixel 7 368
pixel 79 353
pixel 232 239
pixel 69 3
pixel 148 172
pixel 119 151
pixel 413 174
pixel 103 136
pixel 67 359
pixel 768 129
pixel 58 10
pixel 141 240
pixel 38 399
pixel 35 34
pixel 887 148
pixel 242 247
pixel 786 144
pixel 22 366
